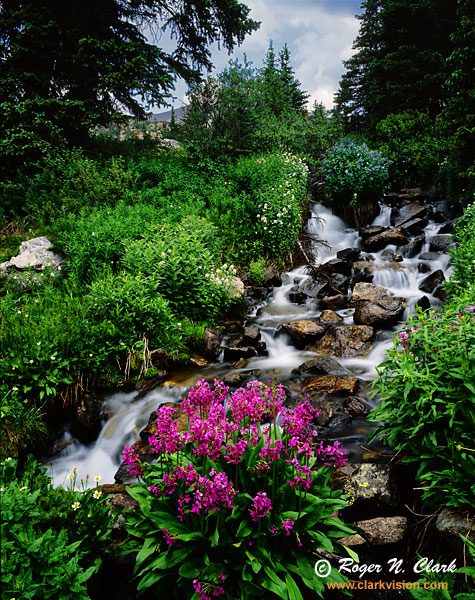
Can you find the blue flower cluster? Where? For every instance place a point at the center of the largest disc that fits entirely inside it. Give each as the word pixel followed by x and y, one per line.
pixel 352 172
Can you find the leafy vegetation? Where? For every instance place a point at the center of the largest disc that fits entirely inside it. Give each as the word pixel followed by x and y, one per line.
pixel 53 539
pixel 427 386
pixel 232 505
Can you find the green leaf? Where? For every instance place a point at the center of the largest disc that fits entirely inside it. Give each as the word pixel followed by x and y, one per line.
pixel 292 588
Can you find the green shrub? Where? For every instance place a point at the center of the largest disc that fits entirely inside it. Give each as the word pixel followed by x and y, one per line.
pixel 233 507
pixel 354 173
pixel 463 257
pixel 427 386
pixel 53 540
pixel 415 145
pixel 256 272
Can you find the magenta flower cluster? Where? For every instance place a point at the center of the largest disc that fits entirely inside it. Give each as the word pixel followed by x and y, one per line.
pixel 261 505
pixel 132 460
pixel 208 591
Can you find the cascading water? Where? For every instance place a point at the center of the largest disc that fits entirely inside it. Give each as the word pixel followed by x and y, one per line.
pixel 126 416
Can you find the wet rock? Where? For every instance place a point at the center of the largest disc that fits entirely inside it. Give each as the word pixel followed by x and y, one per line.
pixel 368 291
pixel 315 286
pixel 329 316
pixel 349 254
pixel 353 540
pixel 414 246
pixel 119 498
pixel 331 384
pixel 331 414
pixel 252 336
pixel 380 241
pixel 340 282
pixel 447 228
pixel 234 327
pixel 397 258
pixel 345 341
pixel 297 298
pixel 199 361
pixel 281 310
pixel 261 348
pixel 211 343
pixel 158 358
pixel 414 227
pixel 371 231
pixel 385 312
pixel 407 213
pixel 86 419
pixel 423 303
pixel 336 265
pixel 372 483
pixel 430 283
pixel 440 293
pixel 423 267
pixel 272 277
pixel 441 243
pixel 356 407
pixel 404 196
pixel 321 365
pixel 383 530
pixel 235 353
pixel 240 364
pixel 453 524
pixel 304 332
pixel 236 288
pixel 34 254
pixel 337 302
pixel 233 378
pixel 430 256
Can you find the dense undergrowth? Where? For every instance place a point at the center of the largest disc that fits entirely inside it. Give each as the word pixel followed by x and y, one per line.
pixel 151 251
pixel 427 385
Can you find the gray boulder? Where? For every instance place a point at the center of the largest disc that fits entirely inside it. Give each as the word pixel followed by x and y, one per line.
pixel 34 254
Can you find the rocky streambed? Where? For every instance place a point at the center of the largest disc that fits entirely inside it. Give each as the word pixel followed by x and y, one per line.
pixel 320 330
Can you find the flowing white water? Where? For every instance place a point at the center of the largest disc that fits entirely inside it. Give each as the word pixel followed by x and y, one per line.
pixel 127 417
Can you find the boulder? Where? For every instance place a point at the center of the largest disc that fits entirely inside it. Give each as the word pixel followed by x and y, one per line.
pixel 404 196
pixel 371 231
pixel 304 332
pixel 390 236
pixel 430 256
pixel 336 265
pixel 118 496
pixel 356 407
pixel 329 316
pixel 453 524
pixel 180 418
pixel 321 365
pixel 211 343
pixel 408 212
pixel 331 414
pixel 349 254
pixel 368 291
pixel 446 228
pixel 340 282
pixel 337 302
pixel 34 254
pixel 385 312
pixel 236 288
pixel 423 267
pixel 414 246
pixel 272 277
pixel 373 484
pixel 86 419
pixel 345 341
pixel 430 283
pixel 414 226
pixel 314 286
pixel 331 384
pixel 441 243
pixel 383 530
pixel 235 353
pixel 252 336
pixel 423 303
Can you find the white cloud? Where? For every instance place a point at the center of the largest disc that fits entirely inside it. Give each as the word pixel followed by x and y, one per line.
pixel 319 35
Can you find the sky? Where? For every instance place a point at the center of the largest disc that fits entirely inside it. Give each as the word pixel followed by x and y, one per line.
pixel 319 34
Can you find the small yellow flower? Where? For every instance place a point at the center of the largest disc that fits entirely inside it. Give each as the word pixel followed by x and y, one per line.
pixel 70 476
pixel 96 494
pixel 75 505
pixel 459 447
pixel 97 478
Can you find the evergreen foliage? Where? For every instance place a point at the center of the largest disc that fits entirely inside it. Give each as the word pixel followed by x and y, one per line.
pixel 69 66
